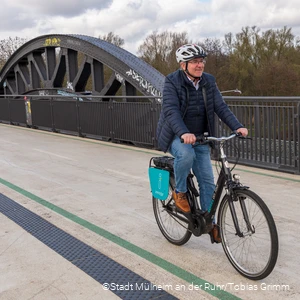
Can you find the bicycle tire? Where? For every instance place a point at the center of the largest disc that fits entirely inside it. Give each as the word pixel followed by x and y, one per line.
pixel 171 223
pixel 254 255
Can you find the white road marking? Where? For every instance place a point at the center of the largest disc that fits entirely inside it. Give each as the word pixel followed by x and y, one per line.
pixel 53 154
pixel 8 142
pixel 127 175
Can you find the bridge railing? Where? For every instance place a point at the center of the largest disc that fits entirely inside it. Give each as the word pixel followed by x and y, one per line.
pixel 273 123
pixel 274 126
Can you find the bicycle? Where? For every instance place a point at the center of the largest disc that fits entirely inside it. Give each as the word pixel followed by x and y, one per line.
pixel 247 229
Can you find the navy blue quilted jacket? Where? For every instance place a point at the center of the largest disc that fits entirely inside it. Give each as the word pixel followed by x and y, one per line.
pixel 180 91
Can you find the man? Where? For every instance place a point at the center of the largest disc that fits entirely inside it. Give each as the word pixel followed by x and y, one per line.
pixel 191 98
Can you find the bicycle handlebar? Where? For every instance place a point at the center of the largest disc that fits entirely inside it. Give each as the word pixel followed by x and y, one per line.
pixel 222 138
pixel 204 139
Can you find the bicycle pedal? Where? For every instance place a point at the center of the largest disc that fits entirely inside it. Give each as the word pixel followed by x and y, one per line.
pixel 208 228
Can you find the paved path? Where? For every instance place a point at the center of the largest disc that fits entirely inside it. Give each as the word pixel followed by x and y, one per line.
pixel 98 193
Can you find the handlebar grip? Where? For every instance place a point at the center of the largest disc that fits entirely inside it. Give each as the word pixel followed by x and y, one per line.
pixel 199 139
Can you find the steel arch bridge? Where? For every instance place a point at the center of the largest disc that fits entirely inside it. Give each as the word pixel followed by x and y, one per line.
pixel 78 63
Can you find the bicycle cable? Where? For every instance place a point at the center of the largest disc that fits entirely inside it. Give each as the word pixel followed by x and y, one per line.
pixel 218 164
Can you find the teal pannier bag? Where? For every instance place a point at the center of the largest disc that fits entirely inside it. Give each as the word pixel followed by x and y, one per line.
pixel 159 175
pixel 159 183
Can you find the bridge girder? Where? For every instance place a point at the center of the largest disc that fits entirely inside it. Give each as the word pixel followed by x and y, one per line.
pixel 77 62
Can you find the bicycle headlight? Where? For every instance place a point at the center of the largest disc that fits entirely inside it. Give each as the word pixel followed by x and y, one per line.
pixel 236 177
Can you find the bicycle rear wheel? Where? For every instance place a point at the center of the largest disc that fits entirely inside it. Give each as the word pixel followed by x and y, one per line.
pixel 254 255
pixel 172 224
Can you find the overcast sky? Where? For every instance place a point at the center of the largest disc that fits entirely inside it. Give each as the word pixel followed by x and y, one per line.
pixel 134 20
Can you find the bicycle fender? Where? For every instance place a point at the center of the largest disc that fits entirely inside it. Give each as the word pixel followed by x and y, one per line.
pixel 240 187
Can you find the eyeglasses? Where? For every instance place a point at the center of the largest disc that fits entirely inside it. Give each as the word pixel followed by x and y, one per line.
pixel 197 61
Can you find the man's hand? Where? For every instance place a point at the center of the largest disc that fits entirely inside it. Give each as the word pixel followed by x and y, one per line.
pixel 243 131
pixel 189 138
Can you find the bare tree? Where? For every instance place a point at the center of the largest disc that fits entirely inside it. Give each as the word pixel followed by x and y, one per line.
pixel 159 50
pixel 216 57
pixel 265 63
pixel 113 39
pixel 8 47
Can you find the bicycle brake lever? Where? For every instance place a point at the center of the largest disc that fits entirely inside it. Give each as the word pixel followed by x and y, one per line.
pixel 201 139
pixel 243 137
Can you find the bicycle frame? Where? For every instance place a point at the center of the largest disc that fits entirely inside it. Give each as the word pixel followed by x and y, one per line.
pixel 225 178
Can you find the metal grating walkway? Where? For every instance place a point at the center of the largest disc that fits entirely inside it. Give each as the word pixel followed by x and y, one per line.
pixel 97 265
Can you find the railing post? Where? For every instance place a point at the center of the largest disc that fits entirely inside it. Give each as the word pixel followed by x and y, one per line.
pixel 52 115
pixel 9 111
pixel 78 118
pixel 111 122
pixel 257 132
pixel 297 155
pixel 154 108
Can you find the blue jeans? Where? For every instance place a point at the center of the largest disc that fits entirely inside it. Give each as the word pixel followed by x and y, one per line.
pixel 196 158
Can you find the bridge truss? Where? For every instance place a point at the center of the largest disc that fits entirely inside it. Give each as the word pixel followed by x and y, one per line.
pixel 78 63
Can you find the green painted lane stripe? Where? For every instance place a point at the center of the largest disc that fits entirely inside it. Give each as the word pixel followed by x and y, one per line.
pixel 169 267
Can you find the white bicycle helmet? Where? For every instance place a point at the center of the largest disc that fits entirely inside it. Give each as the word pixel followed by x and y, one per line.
pixel 188 52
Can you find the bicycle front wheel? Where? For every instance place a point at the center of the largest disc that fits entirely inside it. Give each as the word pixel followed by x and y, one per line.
pixel 173 225
pixel 254 253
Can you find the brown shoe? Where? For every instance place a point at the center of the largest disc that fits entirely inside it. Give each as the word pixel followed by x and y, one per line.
pixel 215 235
pixel 181 201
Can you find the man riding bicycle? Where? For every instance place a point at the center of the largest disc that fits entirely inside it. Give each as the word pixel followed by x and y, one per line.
pixel 191 99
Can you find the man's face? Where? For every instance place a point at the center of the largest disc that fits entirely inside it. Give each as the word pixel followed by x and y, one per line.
pixel 195 66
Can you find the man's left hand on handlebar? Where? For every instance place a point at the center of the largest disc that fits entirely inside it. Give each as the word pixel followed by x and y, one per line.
pixel 242 131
